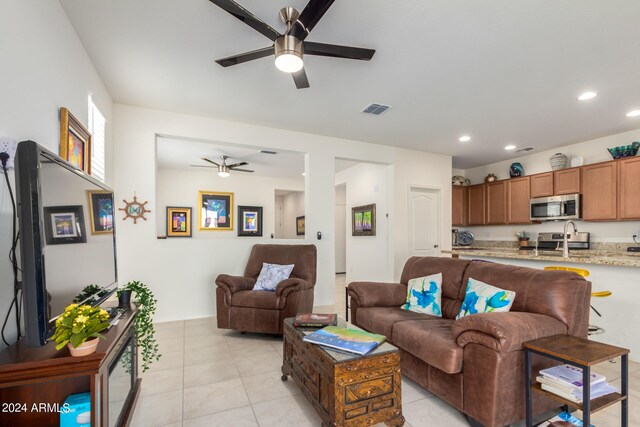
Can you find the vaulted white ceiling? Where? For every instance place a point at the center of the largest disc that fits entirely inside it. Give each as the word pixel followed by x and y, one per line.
pixel 502 71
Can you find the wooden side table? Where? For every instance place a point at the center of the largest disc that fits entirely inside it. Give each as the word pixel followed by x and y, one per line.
pixel 584 354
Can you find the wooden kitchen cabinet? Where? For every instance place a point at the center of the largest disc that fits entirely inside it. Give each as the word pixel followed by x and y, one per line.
pixel 599 191
pixel 459 210
pixel 566 181
pixel 476 204
pixel 497 202
pixel 628 191
pixel 518 195
pixel 541 184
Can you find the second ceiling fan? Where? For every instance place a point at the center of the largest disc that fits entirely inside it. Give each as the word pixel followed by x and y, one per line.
pixel 290 47
pixel 224 168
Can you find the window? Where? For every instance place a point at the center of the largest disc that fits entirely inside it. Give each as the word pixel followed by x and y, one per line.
pixel 97 126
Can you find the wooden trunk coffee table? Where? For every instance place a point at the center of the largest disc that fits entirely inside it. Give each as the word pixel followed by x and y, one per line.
pixel 345 390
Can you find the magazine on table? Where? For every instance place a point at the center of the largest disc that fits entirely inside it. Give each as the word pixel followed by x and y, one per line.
pixel 570 376
pixel 345 339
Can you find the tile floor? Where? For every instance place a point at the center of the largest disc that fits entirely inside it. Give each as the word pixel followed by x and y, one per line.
pixel 212 377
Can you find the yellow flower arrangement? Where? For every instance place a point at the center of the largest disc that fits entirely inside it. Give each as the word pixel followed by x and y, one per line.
pixel 79 323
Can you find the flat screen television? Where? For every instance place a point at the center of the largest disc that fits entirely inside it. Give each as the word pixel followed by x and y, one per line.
pixel 67 238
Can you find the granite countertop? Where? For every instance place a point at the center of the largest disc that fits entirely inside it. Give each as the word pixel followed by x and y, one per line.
pixel 602 255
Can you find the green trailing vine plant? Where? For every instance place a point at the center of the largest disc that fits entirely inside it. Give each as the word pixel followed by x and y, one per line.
pixel 145 331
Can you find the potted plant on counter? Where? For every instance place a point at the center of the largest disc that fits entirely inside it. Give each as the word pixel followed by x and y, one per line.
pixel 144 299
pixel 523 238
pixel 79 329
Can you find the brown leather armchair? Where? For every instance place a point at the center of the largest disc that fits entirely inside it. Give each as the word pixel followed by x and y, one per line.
pixel 243 309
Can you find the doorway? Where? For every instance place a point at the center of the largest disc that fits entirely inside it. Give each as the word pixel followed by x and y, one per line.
pixel 424 221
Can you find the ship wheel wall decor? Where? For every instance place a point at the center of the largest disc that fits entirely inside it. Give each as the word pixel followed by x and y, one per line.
pixel 134 210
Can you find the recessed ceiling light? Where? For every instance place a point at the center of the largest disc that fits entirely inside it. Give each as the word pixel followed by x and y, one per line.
pixel 587 95
pixel 304 174
pixel 633 113
pixel 465 138
pixel 510 147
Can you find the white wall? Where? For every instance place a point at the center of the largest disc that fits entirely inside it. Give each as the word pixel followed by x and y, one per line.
pixel 182 271
pixel 368 257
pixel 180 188
pixel 592 151
pixel 44 67
pixel 292 207
pixel 341 216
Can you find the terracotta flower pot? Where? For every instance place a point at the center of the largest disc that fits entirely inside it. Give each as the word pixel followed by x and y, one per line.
pixel 85 348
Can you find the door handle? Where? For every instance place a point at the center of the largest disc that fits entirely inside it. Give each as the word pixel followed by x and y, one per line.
pixel 436 246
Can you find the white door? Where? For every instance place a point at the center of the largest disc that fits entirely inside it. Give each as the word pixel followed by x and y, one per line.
pixel 279 230
pixel 424 221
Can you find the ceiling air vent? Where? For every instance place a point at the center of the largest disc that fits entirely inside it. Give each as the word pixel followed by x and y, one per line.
pixel 268 152
pixel 525 149
pixel 375 109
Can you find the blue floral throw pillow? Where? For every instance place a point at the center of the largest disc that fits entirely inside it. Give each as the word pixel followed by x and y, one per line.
pixel 484 298
pixel 271 275
pixel 424 295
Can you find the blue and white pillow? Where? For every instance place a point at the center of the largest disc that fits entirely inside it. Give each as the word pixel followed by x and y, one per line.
pixel 484 298
pixel 424 295
pixel 271 275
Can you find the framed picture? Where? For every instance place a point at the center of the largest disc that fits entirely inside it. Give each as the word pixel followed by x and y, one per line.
pixel 178 222
pixel 101 211
pixel 215 211
pixel 64 224
pixel 250 221
pixel 363 220
pixel 75 141
pixel 300 225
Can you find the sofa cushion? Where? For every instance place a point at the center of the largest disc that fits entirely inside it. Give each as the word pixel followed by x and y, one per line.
pixel 424 295
pixel 483 298
pixel 452 271
pixel 381 320
pixel 255 299
pixel 431 341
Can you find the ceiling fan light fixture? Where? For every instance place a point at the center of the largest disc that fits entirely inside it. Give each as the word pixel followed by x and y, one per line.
pixel 223 171
pixel 288 54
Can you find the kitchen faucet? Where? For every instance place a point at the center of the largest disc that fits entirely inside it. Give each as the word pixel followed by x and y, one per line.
pixel 565 243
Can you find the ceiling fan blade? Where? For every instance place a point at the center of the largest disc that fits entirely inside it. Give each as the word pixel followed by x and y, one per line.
pixel 309 17
pixel 337 51
pixel 202 166
pixel 246 57
pixel 247 17
pixel 242 170
pixel 210 161
pixel 237 164
pixel 300 79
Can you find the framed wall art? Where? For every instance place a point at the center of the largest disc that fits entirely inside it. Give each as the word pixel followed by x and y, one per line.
pixel 215 211
pixel 64 224
pixel 300 225
pixel 178 221
pixel 75 141
pixel 101 211
pixel 250 221
pixel 363 220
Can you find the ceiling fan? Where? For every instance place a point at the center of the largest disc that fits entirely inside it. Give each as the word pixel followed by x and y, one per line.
pixel 290 47
pixel 224 168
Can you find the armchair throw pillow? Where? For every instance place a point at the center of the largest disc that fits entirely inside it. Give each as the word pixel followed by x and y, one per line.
pixel 484 298
pixel 424 295
pixel 271 275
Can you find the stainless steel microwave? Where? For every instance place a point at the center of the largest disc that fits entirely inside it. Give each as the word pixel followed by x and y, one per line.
pixel 555 208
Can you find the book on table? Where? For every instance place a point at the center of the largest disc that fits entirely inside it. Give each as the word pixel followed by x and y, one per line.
pixel 345 339
pixel 570 376
pixel 565 419
pixel 598 390
pixel 315 320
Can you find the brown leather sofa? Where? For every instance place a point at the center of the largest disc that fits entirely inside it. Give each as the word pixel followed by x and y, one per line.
pixel 475 363
pixel 243 309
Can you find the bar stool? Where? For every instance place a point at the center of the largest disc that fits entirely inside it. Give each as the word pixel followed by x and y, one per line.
pixel 593 330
